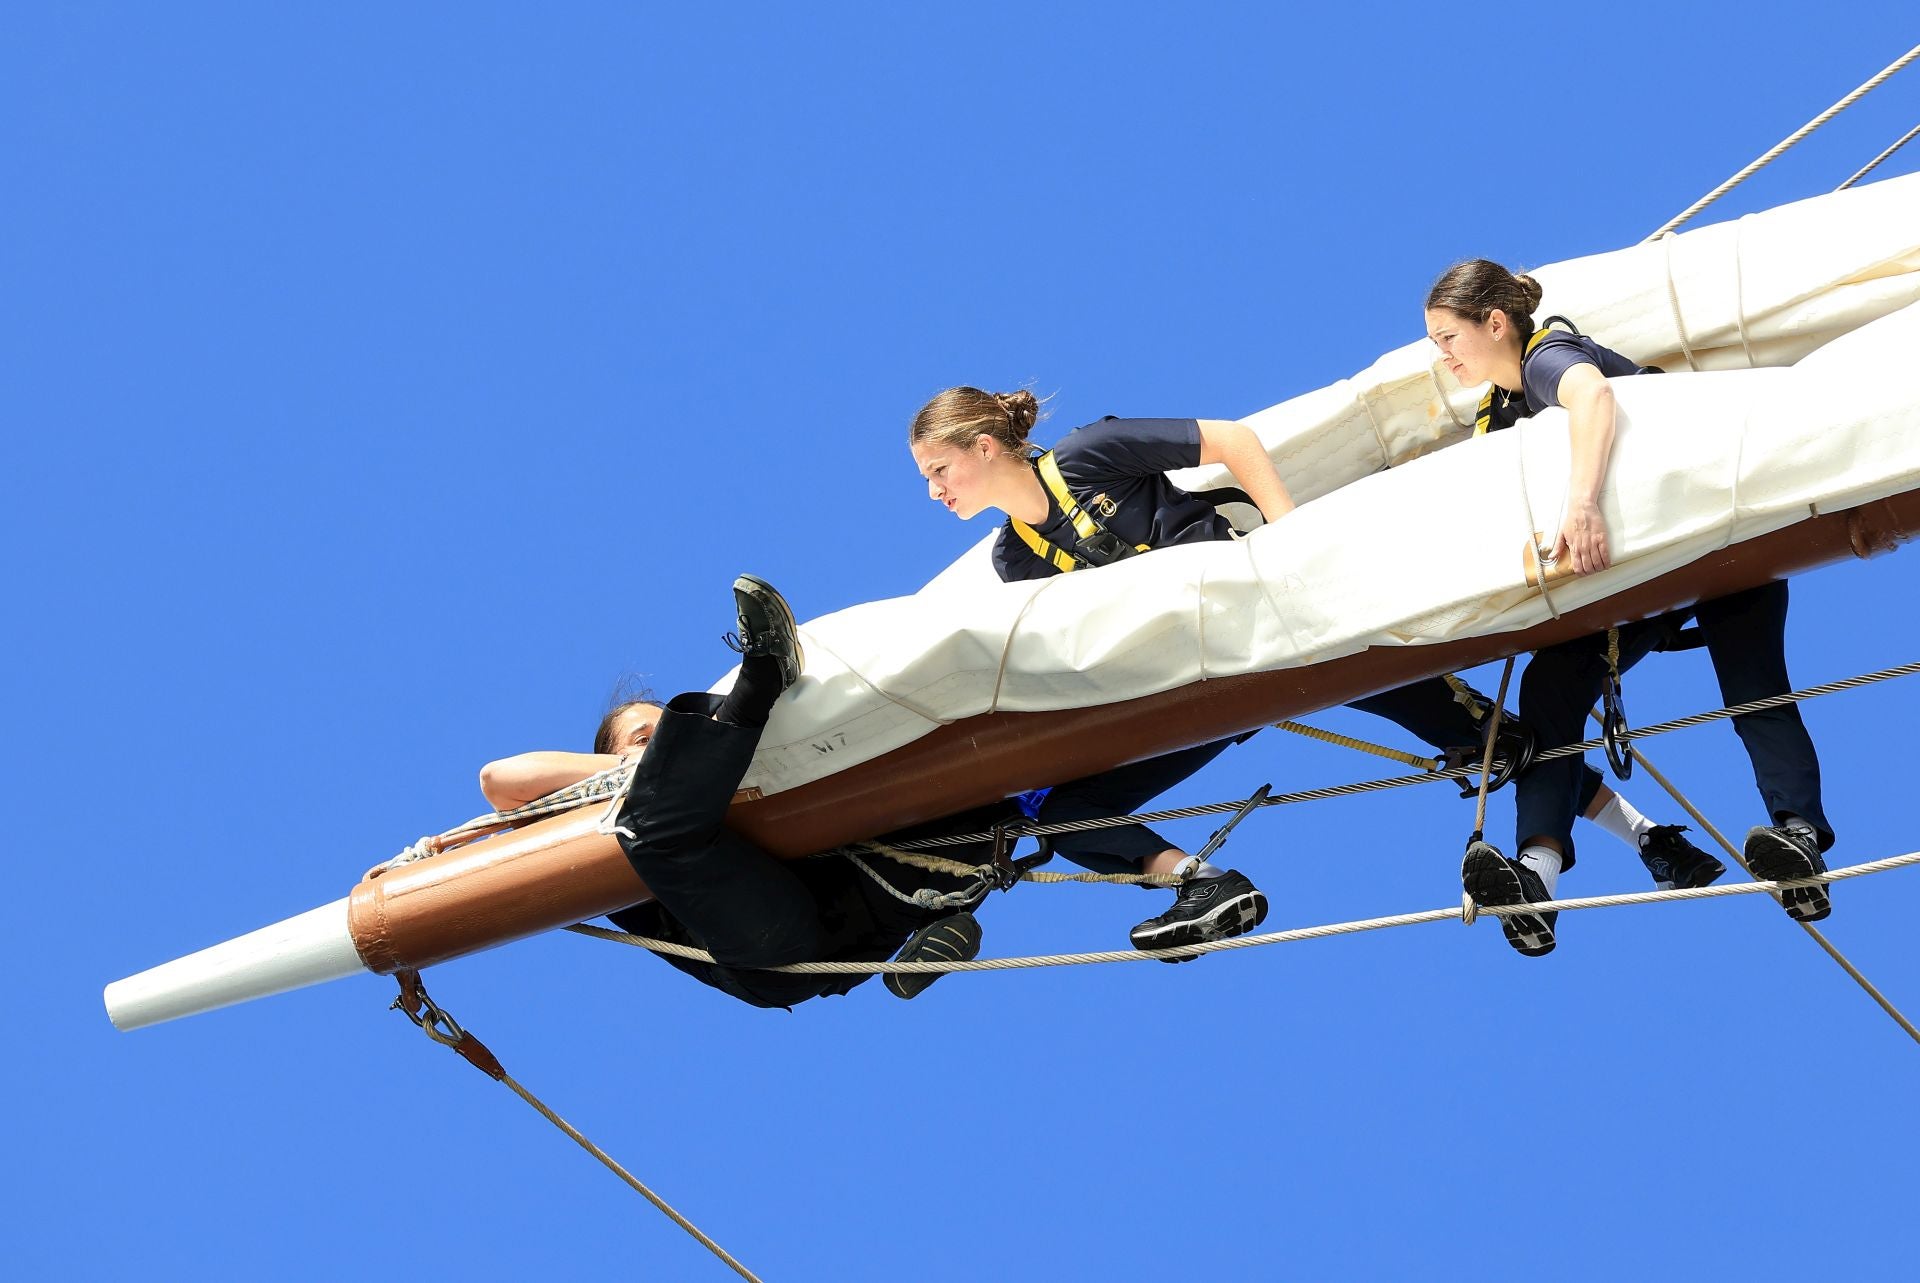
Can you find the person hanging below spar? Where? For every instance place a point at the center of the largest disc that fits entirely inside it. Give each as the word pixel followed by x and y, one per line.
pixel 1102 495
pixel 715 890
pixel 1480 316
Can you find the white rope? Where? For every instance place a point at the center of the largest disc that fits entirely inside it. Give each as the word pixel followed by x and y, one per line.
pixel 1452 913
pixel 1673 302
pixel 1785 143
pixel 1433 373
pixel 926 898
pixel 1739 291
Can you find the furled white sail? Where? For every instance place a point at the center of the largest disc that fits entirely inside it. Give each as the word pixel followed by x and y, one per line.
pixel 1387 556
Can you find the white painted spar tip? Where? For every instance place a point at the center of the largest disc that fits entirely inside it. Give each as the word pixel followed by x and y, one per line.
pixel 291 954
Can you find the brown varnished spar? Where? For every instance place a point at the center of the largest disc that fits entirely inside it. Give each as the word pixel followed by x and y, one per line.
pixel 561 870
pixel 983 758
pixel 552 873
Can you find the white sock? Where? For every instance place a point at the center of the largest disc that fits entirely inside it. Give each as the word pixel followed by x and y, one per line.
pixel 1194 867
pixel 1545 861
pixel 1620 819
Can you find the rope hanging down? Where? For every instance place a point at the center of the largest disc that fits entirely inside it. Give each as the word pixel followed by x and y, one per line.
pixel 440 1026
pixel 1781 147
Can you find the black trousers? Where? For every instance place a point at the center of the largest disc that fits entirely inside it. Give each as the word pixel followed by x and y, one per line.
pixel 718 891
pixel 1746 639
pixel 742 905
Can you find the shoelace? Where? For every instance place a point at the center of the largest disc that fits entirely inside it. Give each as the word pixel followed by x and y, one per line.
pixel 752 644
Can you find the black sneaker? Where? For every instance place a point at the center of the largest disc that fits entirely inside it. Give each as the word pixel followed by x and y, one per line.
pixel 955 938
pixel 1675 862
pixel 1206 909
pixel 1783 854
pixel 1495 882
pixel 766 627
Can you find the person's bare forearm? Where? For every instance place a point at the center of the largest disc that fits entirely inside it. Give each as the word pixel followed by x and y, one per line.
pixel 1235 445
pixel 518 780
pixel 1589 402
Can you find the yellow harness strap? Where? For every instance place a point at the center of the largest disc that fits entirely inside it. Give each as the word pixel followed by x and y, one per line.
pixel 1483 418
pixel 1084 525
pixel 1463 695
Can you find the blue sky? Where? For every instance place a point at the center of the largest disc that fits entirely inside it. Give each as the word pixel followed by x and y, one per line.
pixel 384 384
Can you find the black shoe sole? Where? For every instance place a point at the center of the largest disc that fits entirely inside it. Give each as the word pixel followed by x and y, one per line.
pixel 1224 921
pixel 1493 884
pixel 948 940
pixel 1775 859
pixel 792 658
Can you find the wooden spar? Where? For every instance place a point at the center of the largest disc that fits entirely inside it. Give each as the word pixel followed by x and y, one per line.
pixel 560 870
pixel 981 759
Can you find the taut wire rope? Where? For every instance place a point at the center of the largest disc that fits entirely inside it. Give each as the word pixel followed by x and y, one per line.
pixel 1819 937
pixel 1427 777
pixel 1452 913
pixel 1877 161
pixel 1790 140
pixel 440 1026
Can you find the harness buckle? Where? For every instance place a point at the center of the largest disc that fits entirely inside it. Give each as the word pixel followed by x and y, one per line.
pixel 1513 751
pixel 1007 873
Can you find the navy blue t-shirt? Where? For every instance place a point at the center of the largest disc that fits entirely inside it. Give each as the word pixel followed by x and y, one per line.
pixel 1126 461
pixel 1541 370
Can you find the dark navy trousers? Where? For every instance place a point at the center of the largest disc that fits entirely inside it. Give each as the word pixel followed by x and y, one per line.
pixel 1426 709
pixel 1121 791
pixel 1745 634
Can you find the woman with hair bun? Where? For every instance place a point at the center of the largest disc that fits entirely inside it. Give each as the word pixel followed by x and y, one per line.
pixel 1480 316
pixel 972 448
pixel 1101 495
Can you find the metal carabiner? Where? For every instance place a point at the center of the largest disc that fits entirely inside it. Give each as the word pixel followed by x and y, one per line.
pixel 1513 751
pixel 1614 729
pixel 1009 872
pixel 431 1018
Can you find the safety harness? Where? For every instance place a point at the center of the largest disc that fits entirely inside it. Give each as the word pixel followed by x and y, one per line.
pixel 1094 544
pixel 1500 408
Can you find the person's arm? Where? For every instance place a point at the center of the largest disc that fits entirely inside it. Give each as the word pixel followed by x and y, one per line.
pixel 518 780
pixel 1235 445
pixel 1584 391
